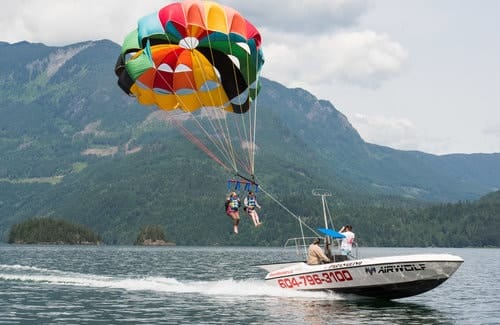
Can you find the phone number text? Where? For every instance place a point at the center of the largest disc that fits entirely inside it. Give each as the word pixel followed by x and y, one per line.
pixel 315 279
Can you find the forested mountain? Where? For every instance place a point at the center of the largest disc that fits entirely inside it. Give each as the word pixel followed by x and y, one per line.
pixel 74 145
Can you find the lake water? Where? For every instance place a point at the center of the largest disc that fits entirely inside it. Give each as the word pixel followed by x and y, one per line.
pixel 218 285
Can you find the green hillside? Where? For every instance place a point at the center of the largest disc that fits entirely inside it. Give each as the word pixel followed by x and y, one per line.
pixel 74 146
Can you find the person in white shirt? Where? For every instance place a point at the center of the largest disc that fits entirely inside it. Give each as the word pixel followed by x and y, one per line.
pixel 249 204
pixel 346 245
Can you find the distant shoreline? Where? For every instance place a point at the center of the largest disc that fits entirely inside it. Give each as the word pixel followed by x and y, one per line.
pixel 150 242
pixel 20 242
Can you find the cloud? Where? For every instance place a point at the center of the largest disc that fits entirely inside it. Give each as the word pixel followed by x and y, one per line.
pixel 311 43
pixel 385 129
pixel 300 16
pixel 492 131
pixel 61 22
pixel 305 42
pixel 58 22
pixel 397 133
pixel 365 59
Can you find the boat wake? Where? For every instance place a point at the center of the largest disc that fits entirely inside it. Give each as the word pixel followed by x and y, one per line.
pixel 224 287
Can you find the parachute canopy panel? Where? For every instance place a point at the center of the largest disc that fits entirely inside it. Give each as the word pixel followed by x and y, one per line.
pixel 190 55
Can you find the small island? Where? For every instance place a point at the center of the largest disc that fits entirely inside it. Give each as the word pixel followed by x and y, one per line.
pixel 152 235
pixel 47 230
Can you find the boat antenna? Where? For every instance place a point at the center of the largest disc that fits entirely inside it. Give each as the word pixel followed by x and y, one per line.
pixel 323 193
pixel 303 238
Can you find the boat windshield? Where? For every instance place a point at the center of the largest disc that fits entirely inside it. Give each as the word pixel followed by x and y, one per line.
pixel 332 250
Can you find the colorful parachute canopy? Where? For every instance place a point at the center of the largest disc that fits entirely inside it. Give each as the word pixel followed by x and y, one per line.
pixel 190 55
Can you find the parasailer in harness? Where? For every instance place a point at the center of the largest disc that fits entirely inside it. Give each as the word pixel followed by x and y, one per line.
pixel 200 62
pixel 249 205
pixel 232 204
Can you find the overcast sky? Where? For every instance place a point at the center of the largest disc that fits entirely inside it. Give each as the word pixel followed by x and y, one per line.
pixel 413 75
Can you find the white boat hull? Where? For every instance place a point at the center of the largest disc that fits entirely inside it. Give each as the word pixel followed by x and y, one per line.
pixel 389 277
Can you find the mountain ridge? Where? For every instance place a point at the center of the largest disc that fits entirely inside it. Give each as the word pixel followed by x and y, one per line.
pixel 63 71
pixel 74 145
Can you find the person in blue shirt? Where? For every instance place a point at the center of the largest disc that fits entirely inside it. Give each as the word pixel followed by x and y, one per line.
pixel 249 205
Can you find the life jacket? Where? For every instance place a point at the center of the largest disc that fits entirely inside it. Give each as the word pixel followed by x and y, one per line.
pixel 234 204
pixel 251 202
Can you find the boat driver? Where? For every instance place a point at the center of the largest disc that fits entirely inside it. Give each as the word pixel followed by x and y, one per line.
pixel 315 254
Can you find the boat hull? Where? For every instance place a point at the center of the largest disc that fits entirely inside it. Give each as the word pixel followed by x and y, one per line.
pixel 393 291
pixel 389 277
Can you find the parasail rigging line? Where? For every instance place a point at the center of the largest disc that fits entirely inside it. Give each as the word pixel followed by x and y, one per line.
pixel 287 210
pixel 216 139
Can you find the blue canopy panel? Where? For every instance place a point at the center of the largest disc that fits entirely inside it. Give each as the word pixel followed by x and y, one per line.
pixel 331 233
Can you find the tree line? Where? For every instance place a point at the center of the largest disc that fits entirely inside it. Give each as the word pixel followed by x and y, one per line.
pixel 462 224
pixel 51 231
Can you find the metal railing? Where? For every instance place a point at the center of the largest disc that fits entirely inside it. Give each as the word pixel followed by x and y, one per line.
pixel 301 245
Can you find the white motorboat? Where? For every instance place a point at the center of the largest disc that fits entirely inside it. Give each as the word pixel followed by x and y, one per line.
pixel 389 277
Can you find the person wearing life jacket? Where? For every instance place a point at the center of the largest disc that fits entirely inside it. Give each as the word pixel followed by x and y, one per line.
pixel 232 209
pixel 249 205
